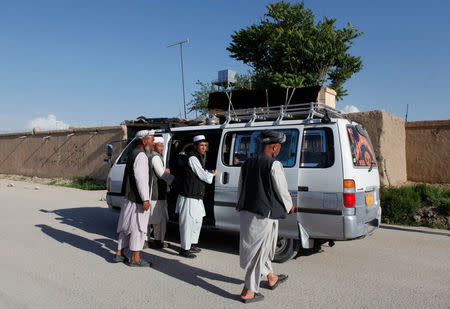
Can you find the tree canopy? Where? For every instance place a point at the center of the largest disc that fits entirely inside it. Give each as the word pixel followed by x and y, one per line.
pixel 288 48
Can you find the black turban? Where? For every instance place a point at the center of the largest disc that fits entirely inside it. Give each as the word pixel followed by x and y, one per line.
pixel 271 137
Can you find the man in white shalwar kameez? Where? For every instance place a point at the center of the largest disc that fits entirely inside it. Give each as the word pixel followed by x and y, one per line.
pixel 190 201
pixel 158 202
pixel 134 214
pixel 263 198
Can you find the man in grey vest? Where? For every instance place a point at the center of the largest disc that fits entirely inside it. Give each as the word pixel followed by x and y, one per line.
pixel 263 198
pixel 190 201
pixel 134 214
pixel 159 178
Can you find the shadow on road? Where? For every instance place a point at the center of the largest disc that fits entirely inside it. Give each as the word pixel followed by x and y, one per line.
pixel 76 241
pixel 96 220
pixel 171 267
pixel 101 221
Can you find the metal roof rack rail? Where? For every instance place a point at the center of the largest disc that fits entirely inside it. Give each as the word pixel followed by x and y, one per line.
pixel 304 111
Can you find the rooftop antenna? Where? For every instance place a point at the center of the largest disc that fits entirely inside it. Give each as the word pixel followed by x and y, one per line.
pixel 182 71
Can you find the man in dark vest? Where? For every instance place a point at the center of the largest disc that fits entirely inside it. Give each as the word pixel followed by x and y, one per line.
pixel 159 178
pixel 190 201
pixel 134 214
pixel 263 198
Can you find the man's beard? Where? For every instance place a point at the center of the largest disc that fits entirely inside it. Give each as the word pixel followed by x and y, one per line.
pixel 147 149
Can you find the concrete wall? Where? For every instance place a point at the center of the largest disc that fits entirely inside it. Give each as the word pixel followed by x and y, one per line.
pixel 428 151
pixel 61 153
pixel 387 133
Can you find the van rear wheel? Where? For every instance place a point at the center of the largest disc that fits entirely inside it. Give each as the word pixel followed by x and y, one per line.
pixel 286 249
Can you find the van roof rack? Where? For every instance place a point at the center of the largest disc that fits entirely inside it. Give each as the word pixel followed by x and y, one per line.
pixel 304 111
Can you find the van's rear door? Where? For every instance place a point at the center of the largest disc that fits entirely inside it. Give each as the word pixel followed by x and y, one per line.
pixel 320 182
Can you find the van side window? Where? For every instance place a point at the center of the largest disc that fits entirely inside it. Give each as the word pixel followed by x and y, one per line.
pixel 361 147
pixel 317 148
pixel 240 146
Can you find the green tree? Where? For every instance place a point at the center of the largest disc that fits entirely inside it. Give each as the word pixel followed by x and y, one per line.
pixel 199 101
pixel 288 48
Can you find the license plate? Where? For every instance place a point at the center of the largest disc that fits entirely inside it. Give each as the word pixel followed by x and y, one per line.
pixel 369 199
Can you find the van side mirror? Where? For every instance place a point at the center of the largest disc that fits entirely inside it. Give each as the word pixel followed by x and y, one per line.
pixel 109 151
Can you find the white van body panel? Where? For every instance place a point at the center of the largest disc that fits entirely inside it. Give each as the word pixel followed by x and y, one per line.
pixel 317 192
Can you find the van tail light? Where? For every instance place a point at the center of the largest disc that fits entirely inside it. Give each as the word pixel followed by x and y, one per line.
pixel 349 193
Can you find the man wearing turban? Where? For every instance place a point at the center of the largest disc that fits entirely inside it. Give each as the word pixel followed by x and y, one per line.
pixel 263 198
pixel 134 214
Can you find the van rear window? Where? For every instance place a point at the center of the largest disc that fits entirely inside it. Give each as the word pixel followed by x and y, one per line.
pixel 361 147
pixel 240 146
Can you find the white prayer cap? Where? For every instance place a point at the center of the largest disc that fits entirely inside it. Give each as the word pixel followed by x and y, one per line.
pixel 199 138
pixel 144 133
pixel 159 139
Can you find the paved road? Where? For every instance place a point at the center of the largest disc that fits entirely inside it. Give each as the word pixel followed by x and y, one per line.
pixel 57 246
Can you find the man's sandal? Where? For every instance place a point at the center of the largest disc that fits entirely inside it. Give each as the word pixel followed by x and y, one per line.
pixel 141 263
pixel 257 297
pixel 120 259
pixel 281 279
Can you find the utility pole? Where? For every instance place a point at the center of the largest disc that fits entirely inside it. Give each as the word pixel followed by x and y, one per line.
pixel 182 71
pixel 406 117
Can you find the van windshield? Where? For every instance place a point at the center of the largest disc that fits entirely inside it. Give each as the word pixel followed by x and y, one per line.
pixel 361 147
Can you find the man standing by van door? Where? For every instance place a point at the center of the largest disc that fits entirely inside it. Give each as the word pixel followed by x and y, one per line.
pixel 134 214
pixel 160 177
pixel 263 199
pixel 190 201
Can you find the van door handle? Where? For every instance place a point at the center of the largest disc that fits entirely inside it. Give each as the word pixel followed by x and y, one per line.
pixel 225 178
pixel 304 189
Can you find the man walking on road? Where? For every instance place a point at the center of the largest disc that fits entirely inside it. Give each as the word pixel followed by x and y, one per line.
pixel 160 177
pixel 134 214
pixel 263 199
pixel 190 201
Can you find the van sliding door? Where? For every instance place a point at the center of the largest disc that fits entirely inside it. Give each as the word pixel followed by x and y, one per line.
pixel 238 145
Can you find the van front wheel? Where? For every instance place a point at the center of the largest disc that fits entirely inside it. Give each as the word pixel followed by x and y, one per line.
pixel 286 249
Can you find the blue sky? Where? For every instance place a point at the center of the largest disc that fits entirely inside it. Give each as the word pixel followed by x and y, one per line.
pixel 91 63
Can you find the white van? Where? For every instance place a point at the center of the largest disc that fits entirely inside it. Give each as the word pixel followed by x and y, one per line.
pixel 328 161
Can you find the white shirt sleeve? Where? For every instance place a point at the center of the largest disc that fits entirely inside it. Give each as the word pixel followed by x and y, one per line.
pixel 140 168
pixel 204 175
pixel 280 185
pixel 160 172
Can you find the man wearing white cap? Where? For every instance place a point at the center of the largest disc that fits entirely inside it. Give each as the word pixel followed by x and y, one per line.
pixel 134 214
pixel 159 178
pixel 263 198
pixel 190 201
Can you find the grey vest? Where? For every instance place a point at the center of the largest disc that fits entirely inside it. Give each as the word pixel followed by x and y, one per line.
pixel 158 186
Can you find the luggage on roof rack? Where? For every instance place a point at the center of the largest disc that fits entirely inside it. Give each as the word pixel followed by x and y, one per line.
pixel 278 113
pixel 273 104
